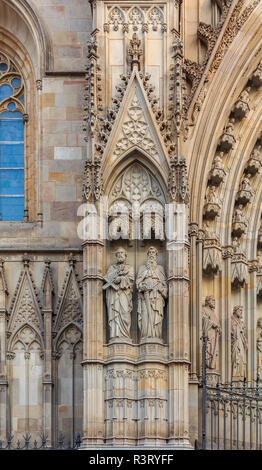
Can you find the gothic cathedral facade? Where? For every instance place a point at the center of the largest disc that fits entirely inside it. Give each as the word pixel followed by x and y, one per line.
pixel 130 215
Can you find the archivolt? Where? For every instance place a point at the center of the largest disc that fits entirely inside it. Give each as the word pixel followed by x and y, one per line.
pixel 243 55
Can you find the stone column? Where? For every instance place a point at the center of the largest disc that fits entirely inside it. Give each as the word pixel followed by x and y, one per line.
pixel 196 250
pixel 3 371
pixel 226 371
pixel 48 373
pixel 93 335
pixel 178 331
pixel 251 322
pixel 193 232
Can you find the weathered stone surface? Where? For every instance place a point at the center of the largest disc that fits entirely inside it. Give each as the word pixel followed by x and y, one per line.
pixel 159 97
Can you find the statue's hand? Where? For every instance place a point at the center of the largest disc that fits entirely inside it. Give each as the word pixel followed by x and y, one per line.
pixel 118 280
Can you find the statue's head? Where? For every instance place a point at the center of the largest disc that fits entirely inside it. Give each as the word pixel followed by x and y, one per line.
pixel 238 311
pixel 210 301
pixel 121 255
pixel 259 323
pixel 152 253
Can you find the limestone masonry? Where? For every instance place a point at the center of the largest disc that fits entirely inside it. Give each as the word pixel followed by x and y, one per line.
pixel 138 177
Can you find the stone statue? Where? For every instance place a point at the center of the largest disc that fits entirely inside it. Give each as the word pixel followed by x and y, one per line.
pixel 152 292
pixel 238 215
pixel 217 162
pixel 211 330
pixel 211 195
pixel 245 184
pixel 119 286
pixel 238 343
pixel 259 350
pixel 257 152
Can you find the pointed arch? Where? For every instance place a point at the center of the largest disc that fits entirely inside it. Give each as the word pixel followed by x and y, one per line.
pixel 155 16
pixel 140 157
pixel 62 337
pixel 116 17
pixel 136 16
pixel 243 54
pixel 23 21
pixel 69 380
pixel 26 335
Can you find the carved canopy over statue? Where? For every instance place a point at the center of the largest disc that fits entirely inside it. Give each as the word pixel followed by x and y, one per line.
pixel 238 343
pixel 211 330
pixel 152 292
pixel 119 286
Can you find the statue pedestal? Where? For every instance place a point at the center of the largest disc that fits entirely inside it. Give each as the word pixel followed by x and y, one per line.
pixel 120 340
pixel 151 341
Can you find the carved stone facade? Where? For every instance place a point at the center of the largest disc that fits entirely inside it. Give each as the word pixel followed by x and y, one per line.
pixel 142 218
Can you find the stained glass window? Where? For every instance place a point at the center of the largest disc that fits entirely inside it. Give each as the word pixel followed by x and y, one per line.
pixel 11 141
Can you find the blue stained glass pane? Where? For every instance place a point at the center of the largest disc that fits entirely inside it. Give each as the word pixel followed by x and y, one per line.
pixel 11 115
pixel 11 208
pixel 11 155
pixel 12 182
pixel 5 91
pixel 11 130
pixel 11 106
pixel 16 82
pixel 22 99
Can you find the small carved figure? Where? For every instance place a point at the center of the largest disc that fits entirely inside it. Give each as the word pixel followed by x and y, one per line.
pixel 211 195
pixel 245 184
pixel 244 96
pixel 238 215
pixel 257 152
pixel 236 244
pixel 229 128
pixel 238 343
pixel 259 349
pixel 119 286
pixel 152 292
pixel 211 330
pixel 217 162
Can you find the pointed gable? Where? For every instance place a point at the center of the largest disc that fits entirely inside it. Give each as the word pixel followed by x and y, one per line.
pixel 136 127
pixel 25 308
pixel 69 308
